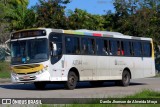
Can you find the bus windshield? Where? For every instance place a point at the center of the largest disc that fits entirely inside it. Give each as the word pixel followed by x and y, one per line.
pixel 29 51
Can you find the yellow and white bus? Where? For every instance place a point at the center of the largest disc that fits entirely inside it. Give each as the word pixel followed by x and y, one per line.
pixel 45 55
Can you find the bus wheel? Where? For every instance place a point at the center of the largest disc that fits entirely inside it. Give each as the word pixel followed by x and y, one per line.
pixel 72 81
pixel 96 83
pixel 125 78
pixel 40 85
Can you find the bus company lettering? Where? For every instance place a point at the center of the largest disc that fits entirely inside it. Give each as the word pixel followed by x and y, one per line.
pixel 15 101
pixel 77 62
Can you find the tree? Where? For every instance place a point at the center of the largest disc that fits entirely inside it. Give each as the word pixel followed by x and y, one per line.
pixel 50 13
pixel 80 19
pixel 19 16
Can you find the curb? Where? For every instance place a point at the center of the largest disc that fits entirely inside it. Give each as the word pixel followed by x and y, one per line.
pixel 4 80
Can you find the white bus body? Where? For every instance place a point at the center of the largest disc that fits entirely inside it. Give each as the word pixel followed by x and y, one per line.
pixel 94 68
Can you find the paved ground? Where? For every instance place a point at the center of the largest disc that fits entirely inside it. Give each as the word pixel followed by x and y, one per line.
pixel 83 90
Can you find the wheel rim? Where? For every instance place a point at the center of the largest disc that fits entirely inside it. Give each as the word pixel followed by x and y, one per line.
pixel 126 78
pixel 72 81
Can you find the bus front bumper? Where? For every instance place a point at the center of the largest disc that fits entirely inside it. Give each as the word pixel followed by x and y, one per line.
pixel 16 78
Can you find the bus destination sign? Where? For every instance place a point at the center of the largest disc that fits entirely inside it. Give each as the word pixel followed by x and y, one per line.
pixel 28 33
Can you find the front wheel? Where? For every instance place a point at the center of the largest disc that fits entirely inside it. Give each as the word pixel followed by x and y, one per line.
pixel 125 78
pixel 72 81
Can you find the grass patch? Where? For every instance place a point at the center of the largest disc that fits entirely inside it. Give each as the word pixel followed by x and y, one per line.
pixel 145 94
pixel 4 69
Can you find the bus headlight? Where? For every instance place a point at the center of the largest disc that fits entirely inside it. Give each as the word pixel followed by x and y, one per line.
pixel 13 73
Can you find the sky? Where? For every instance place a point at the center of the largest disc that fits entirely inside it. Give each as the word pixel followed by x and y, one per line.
pixel 91 6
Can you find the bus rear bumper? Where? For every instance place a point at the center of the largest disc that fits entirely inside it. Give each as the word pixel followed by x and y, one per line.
pixel 45 76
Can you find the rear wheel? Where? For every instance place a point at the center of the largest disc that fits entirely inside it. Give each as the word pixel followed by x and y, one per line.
pixel 40 85
pixel 72 81
pixel 125 78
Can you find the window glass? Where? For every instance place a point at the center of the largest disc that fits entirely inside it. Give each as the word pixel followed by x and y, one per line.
pixel 84 46
pixel 147 49
pixel 127 48
pixel 137 48
pixel 118 48
pixel 105 47
pixel 91 46
pixel 72 45
pixel 122 48
pixel 88 46
pixel 113 47
pixel 99 47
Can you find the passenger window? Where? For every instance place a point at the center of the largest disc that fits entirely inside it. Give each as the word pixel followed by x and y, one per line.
pixel 72 45
pixel 147 49
pixel 88 46
pixel 113 47
pixel 105 47
pixel 99 46
pixel 127 48
pixel 91 46
pixel 122 48
pixel 137 48
pixel 84 46
pixel 118 48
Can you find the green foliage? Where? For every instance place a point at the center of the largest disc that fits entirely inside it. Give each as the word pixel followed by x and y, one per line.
pixel 20 17
pixel 80 19
pixel 4 70
pixel 138 18
pixel 50 13
pixel 145 94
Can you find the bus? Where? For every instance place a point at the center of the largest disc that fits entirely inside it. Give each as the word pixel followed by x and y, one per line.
pixel 44 55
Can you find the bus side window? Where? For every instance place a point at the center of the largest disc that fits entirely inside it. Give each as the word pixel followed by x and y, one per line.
pixel 131 48
pixel 118 48
pixel 110 53
pixel 91 46
pixel 76 45
pixel 99 46
pixel 105 47
pixel 147 49
pixel 72 45
pixel 122 48
pixel 84 46
pixel 127 48
pixel 137 49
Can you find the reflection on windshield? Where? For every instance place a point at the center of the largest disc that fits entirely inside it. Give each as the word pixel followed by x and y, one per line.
pixel 29 51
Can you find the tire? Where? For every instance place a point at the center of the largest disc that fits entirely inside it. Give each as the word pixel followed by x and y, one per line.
pixel 40 85
pixel 96 83
pixel 125 78
pixel 72 81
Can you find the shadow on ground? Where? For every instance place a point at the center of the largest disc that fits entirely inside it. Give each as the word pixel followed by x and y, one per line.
pixel 80 85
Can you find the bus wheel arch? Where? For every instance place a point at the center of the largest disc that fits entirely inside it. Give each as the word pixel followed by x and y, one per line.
pixel 72 79
pixel 75 70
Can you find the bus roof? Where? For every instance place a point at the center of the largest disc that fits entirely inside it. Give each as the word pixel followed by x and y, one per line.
pixel 92 33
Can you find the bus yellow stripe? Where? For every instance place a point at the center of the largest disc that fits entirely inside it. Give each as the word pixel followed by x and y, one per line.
pixel 152 49
pixel 28 70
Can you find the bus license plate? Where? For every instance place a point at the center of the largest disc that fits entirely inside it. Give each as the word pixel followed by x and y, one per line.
pixel 26 77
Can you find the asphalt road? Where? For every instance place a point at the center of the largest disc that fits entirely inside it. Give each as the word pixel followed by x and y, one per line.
pixel 83 90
